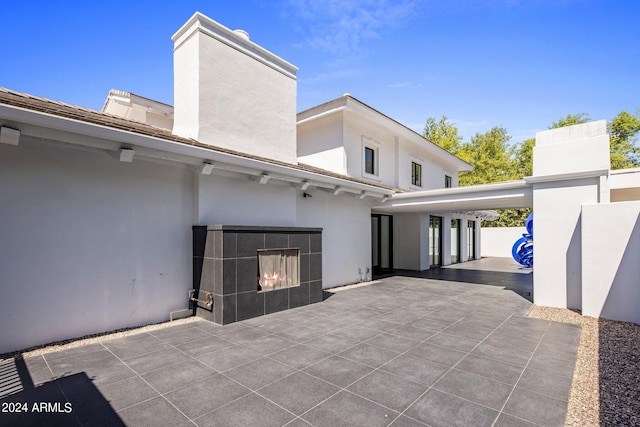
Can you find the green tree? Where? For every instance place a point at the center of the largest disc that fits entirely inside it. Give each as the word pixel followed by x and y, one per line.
pixel 570 120
pixel 443 133
pixel 623 131
pixel 494 160
pixel 524 158
pixel 491 155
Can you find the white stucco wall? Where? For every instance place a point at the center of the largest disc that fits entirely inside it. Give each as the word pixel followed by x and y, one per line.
pixel 610 267
pixel 560 188
pixel 321 143
pixel 432 172
pixel 240 201
pixel 89 244
pixel 498 241
pixel 357 134
pixel 410 241
pixel 346 234
pixel 557 205
pixel 245 97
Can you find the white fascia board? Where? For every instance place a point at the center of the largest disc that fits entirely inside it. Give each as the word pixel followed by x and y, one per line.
pixel 477 197
pixel 322 114
pixel 322 110
pixel 113 139
pixel 471 198
pixel 566 176
pixel 624 171
pixel 624 178
pixel 498 186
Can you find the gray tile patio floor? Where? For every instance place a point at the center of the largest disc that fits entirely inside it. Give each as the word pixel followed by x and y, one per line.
pixel 404 351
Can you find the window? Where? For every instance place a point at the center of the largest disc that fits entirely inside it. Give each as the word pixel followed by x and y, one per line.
pixel 370 161
pixel 447 181
pixel 435 239
pixel 471 239
pixel 455 241
pixel 370 158
pixel 416 174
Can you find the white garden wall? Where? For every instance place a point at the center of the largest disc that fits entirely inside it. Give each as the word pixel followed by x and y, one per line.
pixel 89 244
pixel 498 241
pixel 610 261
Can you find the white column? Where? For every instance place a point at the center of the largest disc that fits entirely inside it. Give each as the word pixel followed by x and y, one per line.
pixel 567 166
pixel 446 239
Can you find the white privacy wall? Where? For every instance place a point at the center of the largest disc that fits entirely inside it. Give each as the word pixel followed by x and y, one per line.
pixel 89 244
pixel 498 241
pixel 560 188
pixel 610 261
pixel 346 233
pixel 557 261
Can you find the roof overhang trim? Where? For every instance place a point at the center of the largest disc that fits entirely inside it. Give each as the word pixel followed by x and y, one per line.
pixel 33 123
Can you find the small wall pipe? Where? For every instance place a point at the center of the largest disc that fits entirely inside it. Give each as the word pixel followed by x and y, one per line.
pixel 173 313
pixel 208 298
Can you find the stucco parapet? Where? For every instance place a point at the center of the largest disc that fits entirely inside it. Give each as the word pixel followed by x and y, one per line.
pixel 572 133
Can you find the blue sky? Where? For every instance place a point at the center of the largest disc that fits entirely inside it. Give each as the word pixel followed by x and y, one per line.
pixel 520 64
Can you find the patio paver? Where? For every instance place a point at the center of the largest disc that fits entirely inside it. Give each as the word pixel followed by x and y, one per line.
pixel 403 351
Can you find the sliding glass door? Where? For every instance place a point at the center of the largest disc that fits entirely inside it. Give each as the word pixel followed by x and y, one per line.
pixel 455 241
pixel 435 241
pixel 381 242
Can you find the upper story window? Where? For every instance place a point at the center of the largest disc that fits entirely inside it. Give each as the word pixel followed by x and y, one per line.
pixel 416 174
pixel 447 181
pixel 370 158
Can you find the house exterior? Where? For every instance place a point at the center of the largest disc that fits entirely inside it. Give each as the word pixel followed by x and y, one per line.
pixel 98 207
pixel 100 211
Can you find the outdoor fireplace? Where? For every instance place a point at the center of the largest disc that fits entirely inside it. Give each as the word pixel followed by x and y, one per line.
pixel 252 271
pixel 278 269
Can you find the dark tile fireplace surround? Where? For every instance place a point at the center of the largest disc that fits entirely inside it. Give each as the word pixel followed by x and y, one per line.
pixel 225 265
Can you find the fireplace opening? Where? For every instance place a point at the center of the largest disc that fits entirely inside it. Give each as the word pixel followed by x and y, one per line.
pixel 278 269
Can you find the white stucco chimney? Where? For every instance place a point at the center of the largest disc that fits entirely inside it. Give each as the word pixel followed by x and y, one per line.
pixel 231 93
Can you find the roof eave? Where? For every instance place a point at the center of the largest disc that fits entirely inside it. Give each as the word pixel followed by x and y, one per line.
pixel 18 115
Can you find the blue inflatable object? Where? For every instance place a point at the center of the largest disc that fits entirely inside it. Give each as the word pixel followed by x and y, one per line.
pixel 522 250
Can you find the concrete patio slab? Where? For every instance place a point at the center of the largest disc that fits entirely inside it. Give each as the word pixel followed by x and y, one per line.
pixel 401 351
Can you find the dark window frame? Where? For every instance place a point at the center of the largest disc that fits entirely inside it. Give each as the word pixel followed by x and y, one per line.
pixel 416 174
pixel 370 164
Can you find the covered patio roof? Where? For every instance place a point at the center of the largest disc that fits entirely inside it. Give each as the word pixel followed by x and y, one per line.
pixel 502 195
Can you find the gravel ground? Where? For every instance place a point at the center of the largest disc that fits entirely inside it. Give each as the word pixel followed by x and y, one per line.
pixel 89 339
pixel 606 380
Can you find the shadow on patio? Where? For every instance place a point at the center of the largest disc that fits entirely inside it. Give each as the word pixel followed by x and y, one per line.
pixel 70 401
